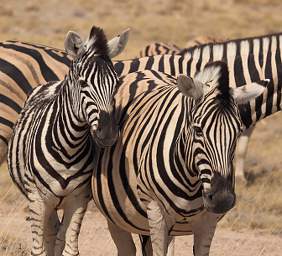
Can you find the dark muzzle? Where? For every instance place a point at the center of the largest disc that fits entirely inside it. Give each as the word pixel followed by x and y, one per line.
pixel 221 197
pixel 107 130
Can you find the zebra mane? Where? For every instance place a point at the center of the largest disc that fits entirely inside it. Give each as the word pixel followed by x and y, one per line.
pixel 98 41
pixel 216 75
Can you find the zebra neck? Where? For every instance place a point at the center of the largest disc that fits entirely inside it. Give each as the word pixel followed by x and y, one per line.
pixel 184 163
pixel 70 131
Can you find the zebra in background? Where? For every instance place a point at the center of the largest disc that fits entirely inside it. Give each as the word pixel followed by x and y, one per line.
pixel 248 59
pixel 160 48
pixel 51 153
pixel 170 172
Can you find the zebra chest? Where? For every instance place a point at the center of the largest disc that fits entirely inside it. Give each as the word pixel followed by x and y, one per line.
pixel 161 180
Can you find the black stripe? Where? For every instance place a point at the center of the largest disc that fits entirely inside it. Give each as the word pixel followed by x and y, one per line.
pixel 119 66
pixel 268 74
pixel 4 139
pixel 172 66
pixel 12 104
pixel 149 63
pixel 279 72
pixel 12 71
pixel 6 122
pixel 46 72
pixel 62 59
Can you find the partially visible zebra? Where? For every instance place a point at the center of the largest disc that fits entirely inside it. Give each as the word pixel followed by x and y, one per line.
pixel 170 172
pixel 51 153
pixel 159 48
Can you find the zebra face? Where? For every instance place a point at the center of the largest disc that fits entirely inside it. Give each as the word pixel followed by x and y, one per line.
pixel 95 80
pixel 216 128
pixel 214 125
pixel 96 95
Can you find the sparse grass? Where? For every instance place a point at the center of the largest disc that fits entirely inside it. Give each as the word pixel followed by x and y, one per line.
pixel 12 246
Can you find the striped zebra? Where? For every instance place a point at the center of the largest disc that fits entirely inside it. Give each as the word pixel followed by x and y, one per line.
pixel 170 172
pixel 159 48
pixel 23 66
pixel 51 152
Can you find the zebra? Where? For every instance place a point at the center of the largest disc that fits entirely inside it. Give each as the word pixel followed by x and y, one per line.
pixel 23 66
pixel 159 48
pixel 51 151
pixel 170 172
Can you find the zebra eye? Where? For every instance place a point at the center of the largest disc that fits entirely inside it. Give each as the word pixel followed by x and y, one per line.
pixel 198 131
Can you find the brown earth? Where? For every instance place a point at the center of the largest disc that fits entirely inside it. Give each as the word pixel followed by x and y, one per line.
pixel 95 239
pixel 254 226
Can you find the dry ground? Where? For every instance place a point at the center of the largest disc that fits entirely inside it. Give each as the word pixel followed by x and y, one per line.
pixel 254 226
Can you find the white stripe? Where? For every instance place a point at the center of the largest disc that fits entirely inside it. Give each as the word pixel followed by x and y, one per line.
pixel 231 54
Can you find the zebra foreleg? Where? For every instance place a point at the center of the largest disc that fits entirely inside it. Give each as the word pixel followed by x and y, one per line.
pixel 159 229
pixel 41 216
pixel 74 207
pixel 123 240
pixel 52 226
pixel 203 228
pixel 147 249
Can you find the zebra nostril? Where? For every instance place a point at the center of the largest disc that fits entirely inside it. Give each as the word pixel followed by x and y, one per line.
pixel 210 196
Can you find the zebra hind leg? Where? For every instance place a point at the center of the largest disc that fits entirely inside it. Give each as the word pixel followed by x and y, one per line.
pixel 123 240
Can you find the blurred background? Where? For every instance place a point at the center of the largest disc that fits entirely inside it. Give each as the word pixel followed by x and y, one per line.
pixel 254 226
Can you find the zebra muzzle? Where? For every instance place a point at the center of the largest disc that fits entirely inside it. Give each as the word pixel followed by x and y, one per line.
pixel 107 130
pixel 221 197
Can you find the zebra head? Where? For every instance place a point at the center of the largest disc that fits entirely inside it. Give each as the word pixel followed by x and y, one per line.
pixel 214 125
pixel 94 81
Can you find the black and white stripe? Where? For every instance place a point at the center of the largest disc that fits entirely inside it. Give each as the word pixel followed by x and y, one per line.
pixel 173 159
pixel 51 153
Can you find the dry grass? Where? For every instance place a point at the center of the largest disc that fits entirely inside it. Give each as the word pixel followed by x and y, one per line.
pixel 259 205
pixel 12 246
pixel 168 20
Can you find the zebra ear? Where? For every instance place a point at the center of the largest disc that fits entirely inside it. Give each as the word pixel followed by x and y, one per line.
pixel 244 94
pixel 118 43
pixel 73 42
pixel 189 88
